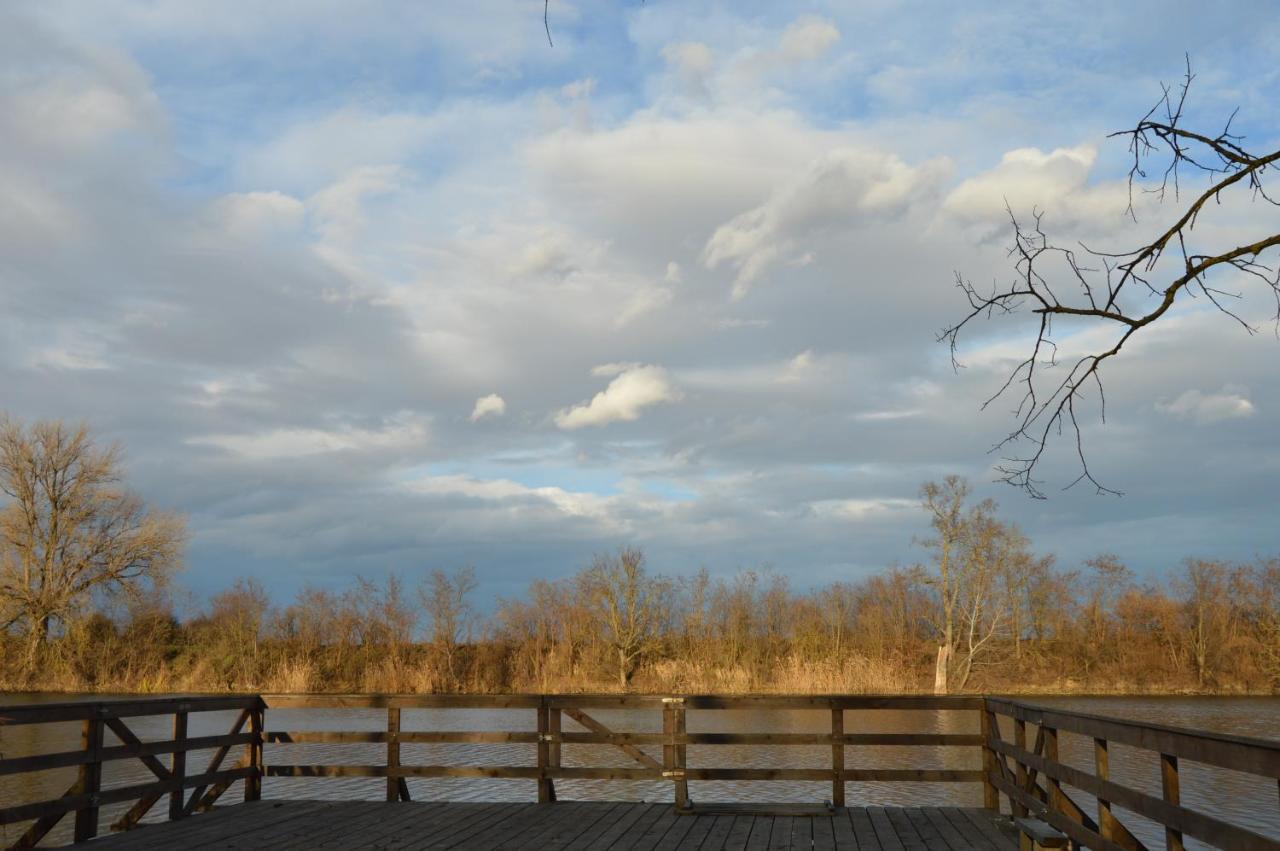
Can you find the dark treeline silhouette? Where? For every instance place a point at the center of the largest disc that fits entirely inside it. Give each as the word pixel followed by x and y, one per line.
pixel 981 613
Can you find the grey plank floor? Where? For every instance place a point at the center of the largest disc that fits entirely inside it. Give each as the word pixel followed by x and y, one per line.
pixel 589 826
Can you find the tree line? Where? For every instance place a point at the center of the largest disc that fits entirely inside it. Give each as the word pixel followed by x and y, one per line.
pixel 86 604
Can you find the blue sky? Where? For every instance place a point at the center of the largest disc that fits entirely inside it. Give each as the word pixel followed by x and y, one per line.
pixel 694 256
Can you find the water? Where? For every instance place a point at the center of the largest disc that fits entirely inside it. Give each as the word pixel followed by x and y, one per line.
pixel 1241 799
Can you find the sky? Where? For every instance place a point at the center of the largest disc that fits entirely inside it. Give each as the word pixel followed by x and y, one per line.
pixel 393 287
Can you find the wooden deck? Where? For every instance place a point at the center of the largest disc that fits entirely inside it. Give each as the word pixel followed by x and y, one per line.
pixel 299 825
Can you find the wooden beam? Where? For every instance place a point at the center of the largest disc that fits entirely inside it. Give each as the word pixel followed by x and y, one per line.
pixel 596 727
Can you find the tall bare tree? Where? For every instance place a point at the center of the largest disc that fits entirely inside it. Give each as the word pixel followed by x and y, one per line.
pixel 629 605
pixel 1126 290
pixel 70 529
pixel 977 559
pixel 449 616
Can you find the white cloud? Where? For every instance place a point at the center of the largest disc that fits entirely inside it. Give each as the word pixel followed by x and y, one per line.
pixel 636 387
pixel 492 405
pixel 644 301
pixel 808 38
pixel 862 509
pixel 399 433
pixel 844 187
pixel 260 214
pixel 1025 178
pixel 1205 408
pixel 693 63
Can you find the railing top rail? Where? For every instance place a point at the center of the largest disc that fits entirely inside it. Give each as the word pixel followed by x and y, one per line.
pixel 621 701
pixel 39 713
pixel 1242 753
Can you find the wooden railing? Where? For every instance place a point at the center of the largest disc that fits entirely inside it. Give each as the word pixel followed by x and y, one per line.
pixel 549 711
pixel 98 719
pixel 1034 784
pixel 1036 779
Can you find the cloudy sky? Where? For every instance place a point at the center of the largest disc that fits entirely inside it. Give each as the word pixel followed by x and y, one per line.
pixel 396 286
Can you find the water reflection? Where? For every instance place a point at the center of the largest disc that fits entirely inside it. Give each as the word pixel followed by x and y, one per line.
pixel 1242 799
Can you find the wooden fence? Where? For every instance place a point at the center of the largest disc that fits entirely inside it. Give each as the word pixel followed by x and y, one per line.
pixel 1035 781
pixel 550 736
pixel 86 795
pixel 1034 784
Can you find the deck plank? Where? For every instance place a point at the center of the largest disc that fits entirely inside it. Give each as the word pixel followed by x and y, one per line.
pixel 563 826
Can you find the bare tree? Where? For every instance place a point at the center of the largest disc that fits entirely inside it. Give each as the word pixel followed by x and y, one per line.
pixel 974 554
pixel 629 605
pixel 70 530
pixel 1127 290
pixel 449 614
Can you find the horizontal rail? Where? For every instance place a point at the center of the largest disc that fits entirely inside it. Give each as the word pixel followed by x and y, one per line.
pixel 616 701
pixel 44 762
pixel 70 803
pixel 1241 753
pixel 483 737
pixel 909 775
pixel 41 713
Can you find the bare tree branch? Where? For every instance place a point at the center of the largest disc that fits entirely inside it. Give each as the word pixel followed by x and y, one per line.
pixel 1118 292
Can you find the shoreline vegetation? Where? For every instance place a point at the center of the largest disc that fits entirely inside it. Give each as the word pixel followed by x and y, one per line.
pixel 1214 629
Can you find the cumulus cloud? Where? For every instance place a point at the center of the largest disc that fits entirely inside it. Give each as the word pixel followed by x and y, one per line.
pixel 1025 178
pixel 1230 403
pixel 492 405
pixel 635 388
pixel 845 187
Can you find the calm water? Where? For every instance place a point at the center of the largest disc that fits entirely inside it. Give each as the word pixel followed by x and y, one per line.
pixel 1236 797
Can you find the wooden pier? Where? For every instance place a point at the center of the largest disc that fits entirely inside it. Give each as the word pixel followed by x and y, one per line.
pixel 1050 794
pixel 577 825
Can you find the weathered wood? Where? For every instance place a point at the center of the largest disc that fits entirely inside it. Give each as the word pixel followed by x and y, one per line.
pixel 215 762
pixel 990 728
pixel 837 757
pixel 596 727
pixel 1020 769
pixel 546 791
pixel 41 713
pixel 111 753
pixel 84 800
pixel 1189 822
pixel 179 767
pixel 253 755
pixel 90 779
pixel 1240 753
pixel 393 752
pixel 681 753
pixel 45 823
pixel 1172 795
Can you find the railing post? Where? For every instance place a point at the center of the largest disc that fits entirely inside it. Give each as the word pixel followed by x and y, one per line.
pixel 253 755
pixel 837 756
pixel 990 795
pixel 178 764
pixel 1172 795
pixel 554 721
pixel 1051 755
pixel 1020 767
pixel 393 752
pixel 1102 770
pixel 546 791
pixel 90 779
pixel 680 753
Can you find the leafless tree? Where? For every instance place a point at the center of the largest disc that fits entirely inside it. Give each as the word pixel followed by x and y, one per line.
pixel 1127 290
pixel 449 614
pixel 975 556
pixel 70 530
pixel 630 606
